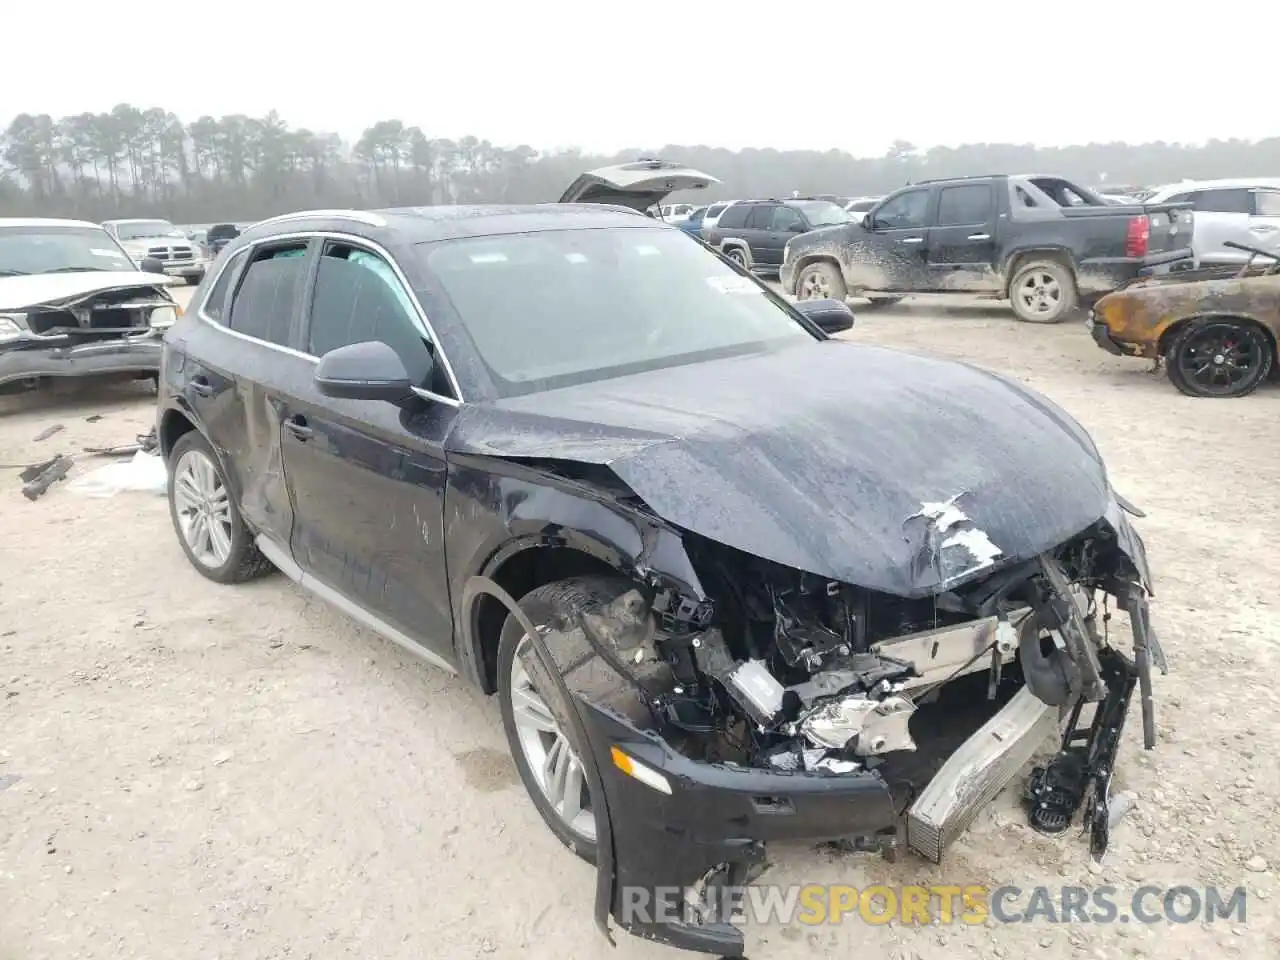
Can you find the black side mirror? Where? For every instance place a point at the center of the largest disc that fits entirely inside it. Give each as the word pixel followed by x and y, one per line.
pixel 798 228
pixel 364 371
pixel 830 316
pixel 151 265
pixel 867 222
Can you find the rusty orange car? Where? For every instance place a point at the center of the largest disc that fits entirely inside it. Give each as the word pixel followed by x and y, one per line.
pixel 1215 329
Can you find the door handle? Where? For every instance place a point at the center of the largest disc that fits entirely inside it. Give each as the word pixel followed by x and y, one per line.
pixel 201 386
pixel 912 240
pixel 979 236
pixel 298 427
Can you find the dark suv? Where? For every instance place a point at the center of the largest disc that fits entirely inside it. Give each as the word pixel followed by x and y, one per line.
pixel 711 559
pixel 754 233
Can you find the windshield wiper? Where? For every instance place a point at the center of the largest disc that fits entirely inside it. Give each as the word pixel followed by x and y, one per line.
pixel 80 270
pixel 14 273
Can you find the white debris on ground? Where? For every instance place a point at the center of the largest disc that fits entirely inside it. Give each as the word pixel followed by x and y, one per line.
pixel 189 770
pixel 143 473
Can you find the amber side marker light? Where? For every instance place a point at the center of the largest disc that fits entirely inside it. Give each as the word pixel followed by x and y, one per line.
pixel 636 770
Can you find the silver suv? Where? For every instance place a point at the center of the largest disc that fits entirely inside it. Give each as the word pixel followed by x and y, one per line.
pixel 161 240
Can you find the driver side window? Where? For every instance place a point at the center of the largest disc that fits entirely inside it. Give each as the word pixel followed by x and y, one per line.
pixel 906 210
pixel 358 298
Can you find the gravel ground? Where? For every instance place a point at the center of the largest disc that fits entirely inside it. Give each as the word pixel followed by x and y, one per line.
pixel 189 771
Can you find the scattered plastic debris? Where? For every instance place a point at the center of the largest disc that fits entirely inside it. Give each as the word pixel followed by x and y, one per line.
pixel 39 477
pixel 47 432
pixel 143 473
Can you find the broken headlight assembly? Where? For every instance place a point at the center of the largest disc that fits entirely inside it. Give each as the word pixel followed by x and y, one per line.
pixel 12 326
pixel 164 317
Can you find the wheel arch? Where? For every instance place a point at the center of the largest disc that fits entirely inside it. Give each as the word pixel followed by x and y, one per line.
pixel 520 567
pixel 174 424
pixel 1170 333
pixel 1018 258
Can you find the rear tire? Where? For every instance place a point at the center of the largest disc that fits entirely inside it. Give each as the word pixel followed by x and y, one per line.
pixel 206 517
pixel 524 715
pixel 1219 357
pixel 820 281
pixel 1043 291
pixel 738 256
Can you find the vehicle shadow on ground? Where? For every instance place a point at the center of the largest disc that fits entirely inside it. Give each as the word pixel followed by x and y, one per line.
pixel 73 397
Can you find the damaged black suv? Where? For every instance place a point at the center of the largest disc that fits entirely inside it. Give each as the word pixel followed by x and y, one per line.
pixel 734 580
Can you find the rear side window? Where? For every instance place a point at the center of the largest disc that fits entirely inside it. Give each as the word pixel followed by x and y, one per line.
pixel 1224 201
pixel 359 298
pixel 215 303
pixel 735 216
pixel 1267 203
pixel 965 205
pixel 268 294
pixel 714 210
pixel 761 217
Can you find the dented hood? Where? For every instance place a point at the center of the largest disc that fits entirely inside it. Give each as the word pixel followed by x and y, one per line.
pixel 824 457
pixel 57 289
pixel 637 185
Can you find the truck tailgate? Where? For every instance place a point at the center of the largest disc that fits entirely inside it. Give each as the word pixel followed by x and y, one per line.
pixel 1172 225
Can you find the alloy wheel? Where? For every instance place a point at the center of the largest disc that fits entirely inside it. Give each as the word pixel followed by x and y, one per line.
pixel 203 508
pixel 550 756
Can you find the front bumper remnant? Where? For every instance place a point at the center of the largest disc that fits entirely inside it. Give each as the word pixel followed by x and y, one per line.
pixel 29 358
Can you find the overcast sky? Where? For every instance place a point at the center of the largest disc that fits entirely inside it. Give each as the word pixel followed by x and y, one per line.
pixel 605 75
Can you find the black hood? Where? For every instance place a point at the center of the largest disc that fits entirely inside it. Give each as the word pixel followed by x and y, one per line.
pixel 824 457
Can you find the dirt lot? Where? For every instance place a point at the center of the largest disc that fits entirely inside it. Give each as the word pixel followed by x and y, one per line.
pixel 190 771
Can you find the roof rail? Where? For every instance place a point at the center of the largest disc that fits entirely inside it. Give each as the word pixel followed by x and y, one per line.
pixel 971 176
pixel 372 219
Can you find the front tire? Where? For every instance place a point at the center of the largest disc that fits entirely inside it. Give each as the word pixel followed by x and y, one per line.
pixel 738 256
pixel 1043 291
pixel 205 516
pixel 1219 357
pixel 821 281
pixel 545 756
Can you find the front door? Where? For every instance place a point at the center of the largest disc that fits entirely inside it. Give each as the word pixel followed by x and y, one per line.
pixel 893 253
pixel 367 477
pixel 784 223
pixel 961 248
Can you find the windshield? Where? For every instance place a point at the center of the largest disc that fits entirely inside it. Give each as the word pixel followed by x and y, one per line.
pixel 821 213
pixel 553 309
pixel 66 249
pixel 139 229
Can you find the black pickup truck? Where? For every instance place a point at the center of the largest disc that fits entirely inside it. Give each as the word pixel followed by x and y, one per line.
pixel 1042 242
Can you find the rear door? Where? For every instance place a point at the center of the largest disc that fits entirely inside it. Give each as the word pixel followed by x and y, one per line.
pixel 1220 215
pixel 1264 222
pixel 780 224
pixel 247 366
pixel 896 253
pixel 961 248
pixel 367 477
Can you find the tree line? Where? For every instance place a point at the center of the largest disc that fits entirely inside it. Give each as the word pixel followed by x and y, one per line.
pixel 135 162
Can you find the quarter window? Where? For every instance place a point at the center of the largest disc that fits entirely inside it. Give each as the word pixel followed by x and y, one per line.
pixel 215 303
pixel 265 301
pixel 358 298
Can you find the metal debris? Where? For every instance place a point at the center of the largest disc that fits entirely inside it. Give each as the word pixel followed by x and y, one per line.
pixel 40 477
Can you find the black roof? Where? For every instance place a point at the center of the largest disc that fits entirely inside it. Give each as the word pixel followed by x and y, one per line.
pixel 425 224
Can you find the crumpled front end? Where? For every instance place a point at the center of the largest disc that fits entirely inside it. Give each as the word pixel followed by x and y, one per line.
pixel 780 705
pixel 107 332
